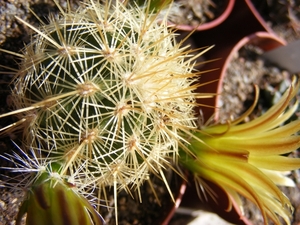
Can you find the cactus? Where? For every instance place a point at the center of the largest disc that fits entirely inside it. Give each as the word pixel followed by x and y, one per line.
pixel 106 92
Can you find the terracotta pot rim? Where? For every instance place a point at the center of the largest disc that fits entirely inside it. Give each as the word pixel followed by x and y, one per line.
pixel 210 24
pixel 264 40
pixel 258 16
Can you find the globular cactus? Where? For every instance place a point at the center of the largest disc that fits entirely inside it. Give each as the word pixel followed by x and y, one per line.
pixel 109 90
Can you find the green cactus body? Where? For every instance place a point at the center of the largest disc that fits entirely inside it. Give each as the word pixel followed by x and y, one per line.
pixel 107 87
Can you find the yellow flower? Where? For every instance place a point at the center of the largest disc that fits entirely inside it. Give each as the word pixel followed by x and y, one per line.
pixel 249 159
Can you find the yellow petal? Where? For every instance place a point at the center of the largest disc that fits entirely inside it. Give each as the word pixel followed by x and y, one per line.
pixel 274 162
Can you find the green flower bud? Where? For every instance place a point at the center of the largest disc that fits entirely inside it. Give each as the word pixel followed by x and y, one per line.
pixel 53 201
